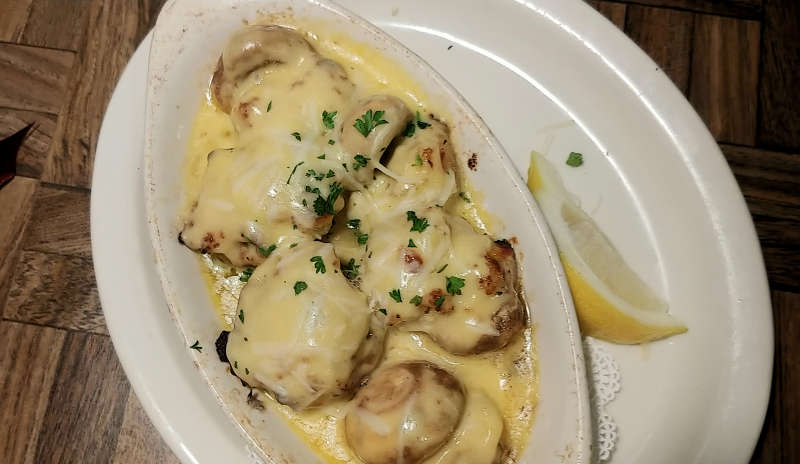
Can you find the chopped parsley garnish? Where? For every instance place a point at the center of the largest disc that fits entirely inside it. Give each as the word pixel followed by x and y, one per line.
pixel 327 119
pixel 350 269
pixel 409 130
pixel 316 175
pixel 439 301
pixel 574 159
pixel 293 245
pixel 245 275
pixel 324 206
pixel 416 301
pixel 362 238
pixel 369 121
pixel 319 264
pixel 293 170
pixel 236 364
pixel 418 161
pixel 464 197
pixel 330 173
pixel 354 224
pixel 395 294
pixel 382 310
pixel 196 346
pixel 265 252
pixel 420 123
pixel 269 106
pixel 441 269
pixel 241 315
pixel 417 224
pixel 344 165
pixel 299 286
pixel 321 157
pixel 296 135
pixel 359 161
pixel 331 142
pixel 305 203
pixel 454 285
pixel 247 371
pixel 311 189
pixel 411 244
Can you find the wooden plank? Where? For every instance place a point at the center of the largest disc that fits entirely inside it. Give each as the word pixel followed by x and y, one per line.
pixel 770 182
pixel 33 78
pixel 32 156
pixel 747 9
pixel 615 12
pixel 139 441
pixel 54 24
pixel 12 21
pixel 788 307
pixel 779 118
pixel 60 222
pixel 666 35
pixel 113 31
pixel 724 77
pixel 57 291
pixel 28 360
pixel 16 199
pixel 87 403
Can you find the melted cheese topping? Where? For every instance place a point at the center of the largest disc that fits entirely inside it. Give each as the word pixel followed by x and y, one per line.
pixel 502 385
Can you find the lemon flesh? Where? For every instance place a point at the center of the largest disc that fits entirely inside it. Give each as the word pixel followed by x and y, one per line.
pixel 612 302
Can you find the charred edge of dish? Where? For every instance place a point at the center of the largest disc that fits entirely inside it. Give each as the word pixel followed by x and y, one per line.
pixel 472 162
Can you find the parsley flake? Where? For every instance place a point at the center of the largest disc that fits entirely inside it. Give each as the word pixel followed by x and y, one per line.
pixel 359 161
pixel 441 269
pixel 245 275
pixel 369 121
pixel 417 224
pixel 327 119
pixel 382 310
pixel 409 130
pixel 299 286
pixel 241 315
pixel 439 301
pixel 296 135
pixel 354 224
pixel 574 159
pixel 420 123
pixel 316 175
pixel 454 285
pixel 395 294
pixel 411 244
pixel 265 252
pixel 331 142
pixel 350 269
pixel 319 264
pixel 310 189
pixel 418 161
pixel 416 301
pixel 324 206
pixel 196 346
pixel 247 371
pixel 362 238
pixel 321 157
pixel 236 364
pixel 269 106
pixel 293 170
pixel 464 197
pixel 330 173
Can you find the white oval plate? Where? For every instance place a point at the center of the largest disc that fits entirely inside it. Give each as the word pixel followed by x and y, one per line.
pixel 187 39
pixel 653 178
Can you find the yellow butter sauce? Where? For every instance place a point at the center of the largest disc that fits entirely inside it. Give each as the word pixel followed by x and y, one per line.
pixel 508 377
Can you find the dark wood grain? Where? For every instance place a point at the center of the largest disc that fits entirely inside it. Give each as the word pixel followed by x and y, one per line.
pixel 666 35
pixel 28 360
pixel 60 222
pixel 768 448
pixel 55 290
pixel 770 182
pixel 787 305
pixel 724 78
pixel 138 440
pixel 749 9
pixel 32 156
pixel 87 403
pixel 13 19
pixel 51 24
pixel 779 118
pixel 16 199
pixel 113 29
pixel 615 12
pixel 33 78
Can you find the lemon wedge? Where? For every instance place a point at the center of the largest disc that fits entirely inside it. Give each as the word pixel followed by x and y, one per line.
pixel 612 302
